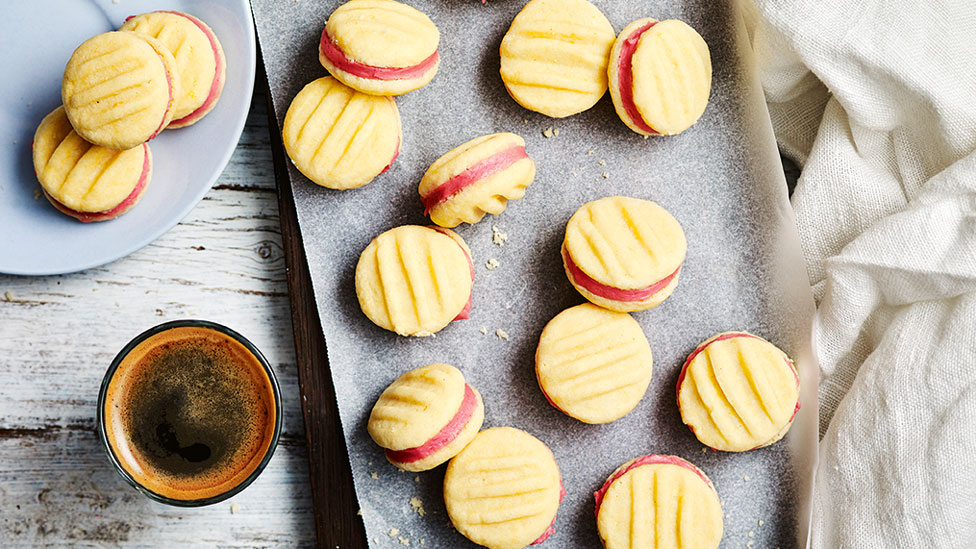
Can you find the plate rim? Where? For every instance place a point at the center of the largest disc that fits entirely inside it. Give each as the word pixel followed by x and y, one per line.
pixel 250 60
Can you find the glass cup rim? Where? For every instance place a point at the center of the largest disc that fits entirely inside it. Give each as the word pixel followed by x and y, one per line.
pixel 110 374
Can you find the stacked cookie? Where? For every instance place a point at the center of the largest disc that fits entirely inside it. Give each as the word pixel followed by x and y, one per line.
pixel 559 57
pixel 594 363
pixel 120 89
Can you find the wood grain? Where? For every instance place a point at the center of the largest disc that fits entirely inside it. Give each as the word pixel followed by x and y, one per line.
pixel 223 263
pixel 333 493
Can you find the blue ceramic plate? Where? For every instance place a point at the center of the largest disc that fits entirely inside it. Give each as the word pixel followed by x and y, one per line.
pixel 36 40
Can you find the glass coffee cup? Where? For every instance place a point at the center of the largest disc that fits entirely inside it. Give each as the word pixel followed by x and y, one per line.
pixel 189 413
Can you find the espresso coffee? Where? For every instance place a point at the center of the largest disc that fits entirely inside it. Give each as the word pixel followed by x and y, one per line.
pixel 190 413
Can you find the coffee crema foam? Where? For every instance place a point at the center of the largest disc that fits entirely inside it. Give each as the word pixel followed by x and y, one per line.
pixel 190 413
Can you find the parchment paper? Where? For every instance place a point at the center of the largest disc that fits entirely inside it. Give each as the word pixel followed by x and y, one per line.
pixel 723 181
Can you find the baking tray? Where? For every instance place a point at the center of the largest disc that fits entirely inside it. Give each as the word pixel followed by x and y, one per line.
pixel 722 179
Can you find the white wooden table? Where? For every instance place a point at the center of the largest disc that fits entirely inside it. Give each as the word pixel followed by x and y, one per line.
pixel 58 334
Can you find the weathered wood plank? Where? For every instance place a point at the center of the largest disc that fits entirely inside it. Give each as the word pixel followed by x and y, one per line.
pixel 223 263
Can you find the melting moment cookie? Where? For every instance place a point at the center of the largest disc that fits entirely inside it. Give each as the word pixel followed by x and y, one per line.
pixel 426 417
pixel 738 392
pixel 660 76
pixel 623 254
pixel 661 502
pixel 85 181
pixel 502 491
pixel 199 60
pixel 119 89
pixel 341 138
pixel 476 178
pixel 415 280
pixel 380 47
pixel 554 56
pixel 593 364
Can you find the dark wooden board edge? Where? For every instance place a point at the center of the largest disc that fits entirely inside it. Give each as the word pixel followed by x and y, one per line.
pixel 334 503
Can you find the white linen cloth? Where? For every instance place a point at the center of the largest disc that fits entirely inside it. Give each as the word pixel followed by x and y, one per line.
pixel 876 99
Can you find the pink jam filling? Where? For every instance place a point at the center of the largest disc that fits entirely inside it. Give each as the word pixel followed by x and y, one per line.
pixel 335 56
pixel 646 460
pixel 552 529
pixel 625 77
pixel 88 217
pixel 723 337
pixel 610 292
pixel 465 312
pixel 489 166
pixel 545 394
pixel 396 153
pixel 444 437
pixel 217 82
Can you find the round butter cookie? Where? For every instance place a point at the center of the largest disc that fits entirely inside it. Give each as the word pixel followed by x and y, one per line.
pixel 380 47
pixel 426 417
pixel 658 502
pixel 415 280
pixel 119 89
pixel 593 364
pixel 554 56
pixel 623 254
pixel 341 138
pixel 660 76
pixel 738 392
pixel 85 181
pixel 503 490
pixel 476 178
pixel 199 59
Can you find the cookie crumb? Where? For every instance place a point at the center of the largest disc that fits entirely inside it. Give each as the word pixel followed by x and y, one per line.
pixel 404 541
pixel 555 132
pixel 589 152
pixel 422 542
pixel 502 334
pixel 418 506
pixel 416 478
pixel 749 544
pixel 497 236
pixel 234 508
pixel 606 175
pixel 704 450
pixel 492 264
pixel 547 133
pixel 8 296
pixel 745 478
pixel 483 330
pixel 37 194
pixel 394 531
pixel 752 534
pixel 602 162
pixel 373 475
pixel 760 522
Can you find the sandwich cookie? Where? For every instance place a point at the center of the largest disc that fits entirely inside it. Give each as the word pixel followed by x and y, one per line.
pixel 340 138
pixel 85 181
pixel 554 56
pixel 623 254
pixel 658 502
pixel 503 490
pixel 593 364
pixel 380 47
pixel 426 417
pixel 476 178
pixel 415 280
pixel 119 89
pixel 199 59
pixel 737 392
pixel 660 76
